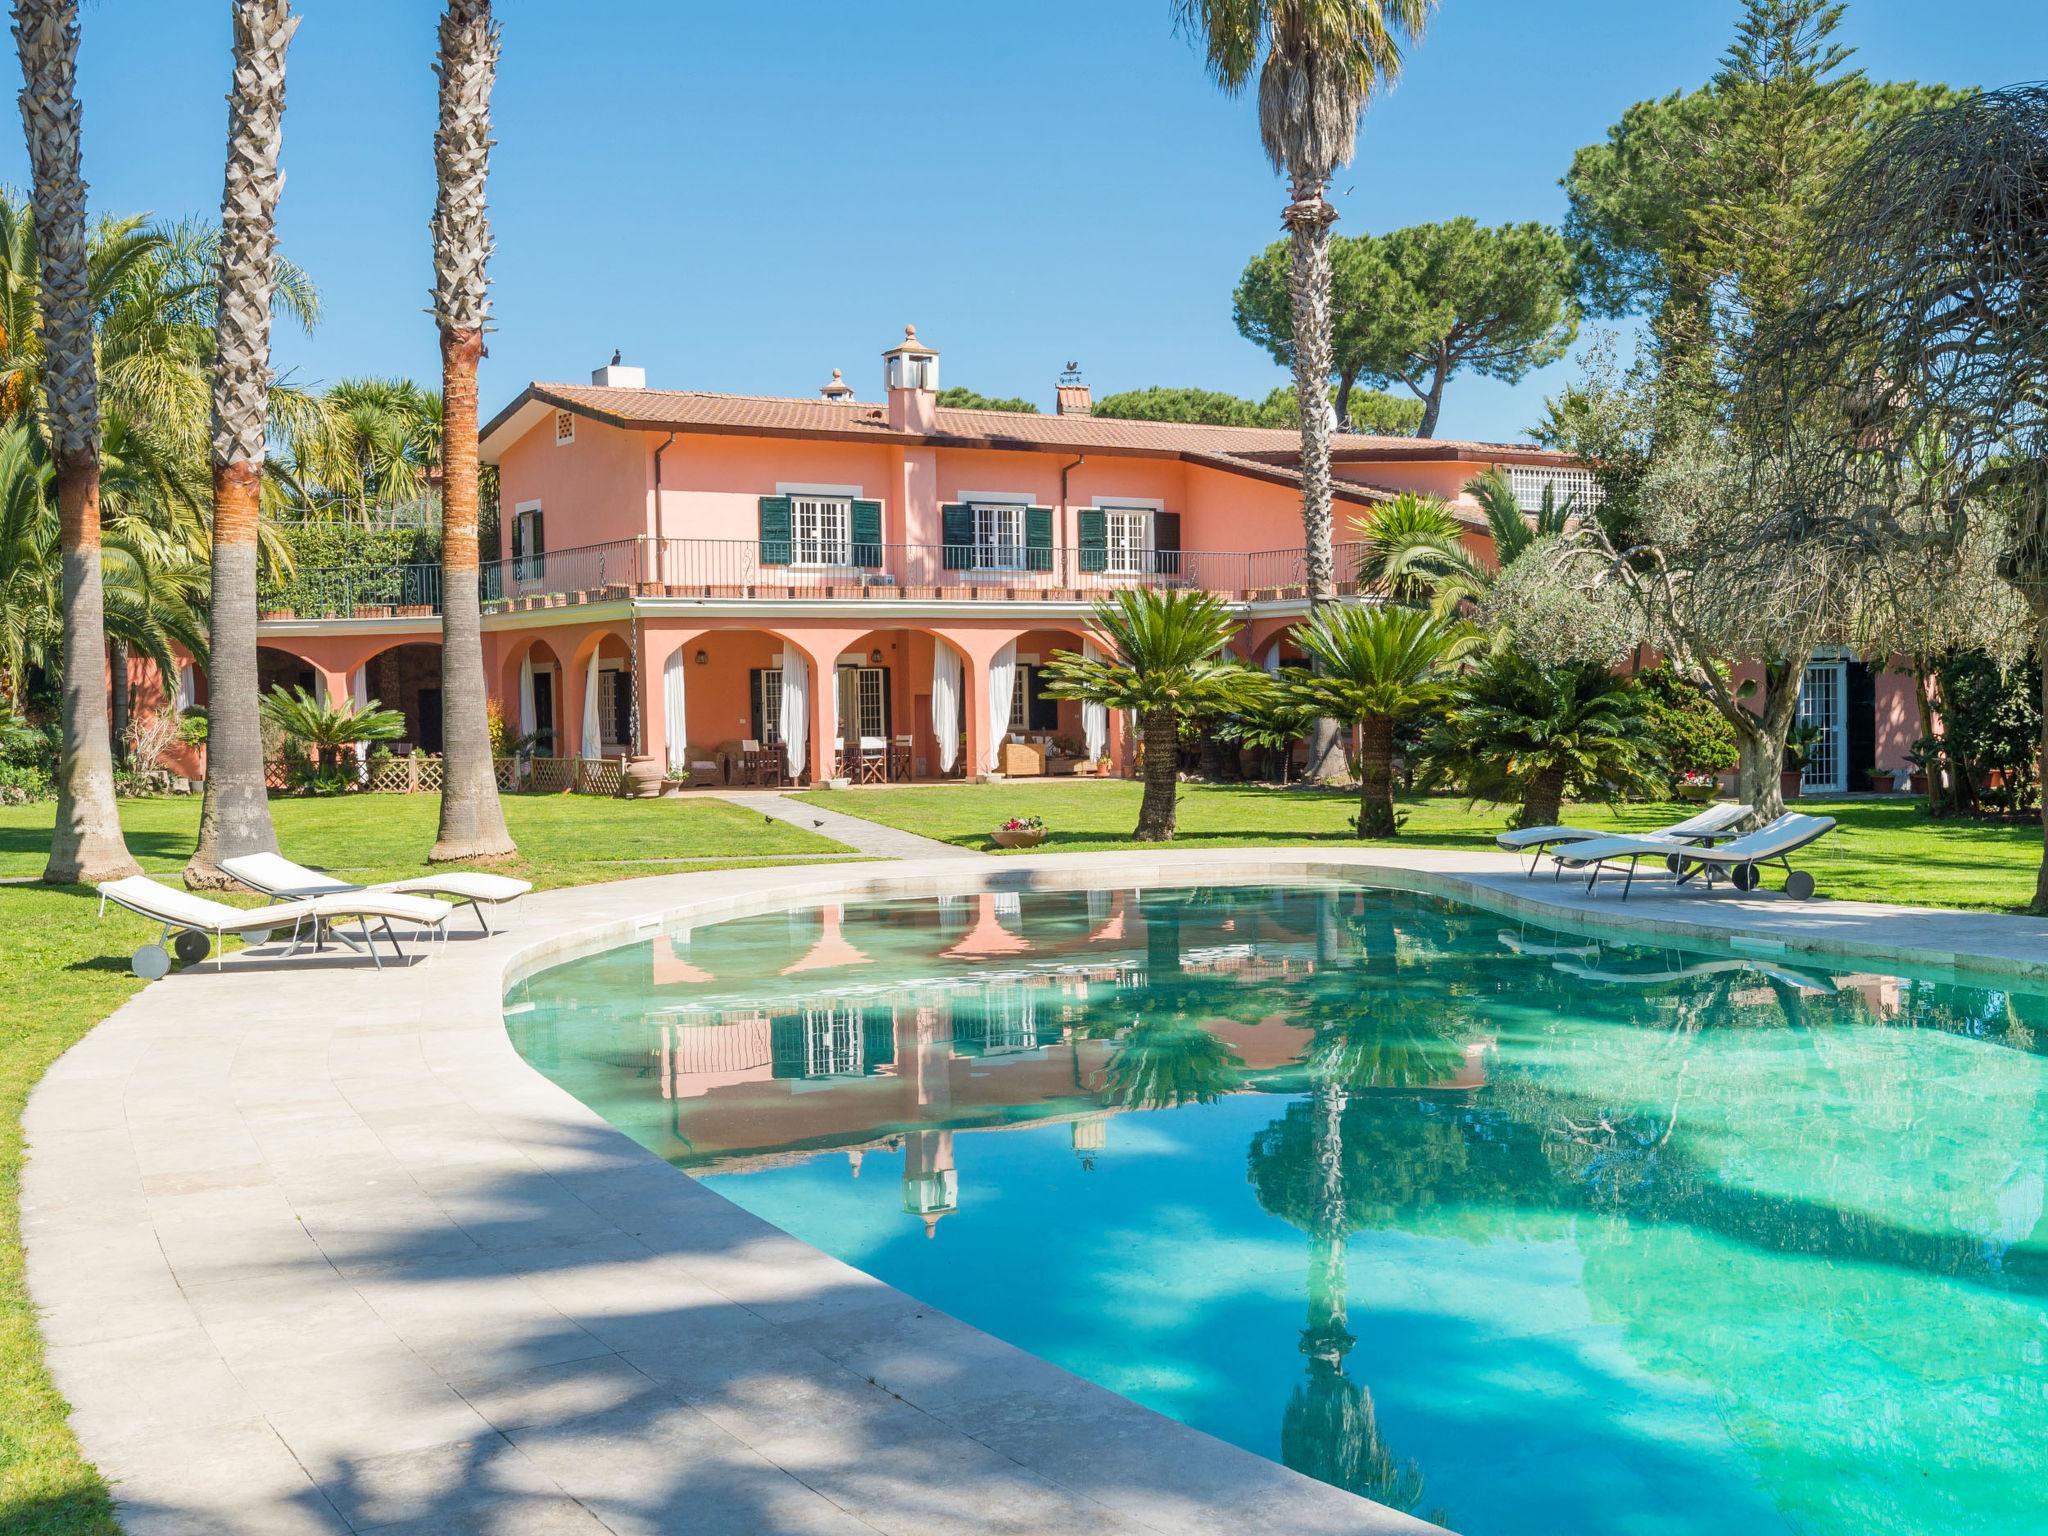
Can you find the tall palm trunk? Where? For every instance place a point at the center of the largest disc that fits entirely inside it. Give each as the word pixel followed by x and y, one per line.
pixel 87 844
pixel 1308 218
pixel 472 820
pixel 1376 777
pixel 1158 812
pixel 235 818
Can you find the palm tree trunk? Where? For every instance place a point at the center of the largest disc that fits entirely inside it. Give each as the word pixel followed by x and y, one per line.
pixel 1543 800
pixel 117 733
pixel 1158 811
pixel 87 844
pixel 235 817
pixel 1376 778
pixel 472 819
pixel 1308 219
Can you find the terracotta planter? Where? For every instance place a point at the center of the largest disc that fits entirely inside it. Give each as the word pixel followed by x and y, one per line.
pixel 1882 781
pixel 1917 783
pixel 642 779
pixel 1788 783
pixel 1020 839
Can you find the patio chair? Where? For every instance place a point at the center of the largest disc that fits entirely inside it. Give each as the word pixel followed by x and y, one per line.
pixel 200 923
pixel 1738 861
pixel 1704 826
pixel 874 760
pixel 763 767
pixel 280 879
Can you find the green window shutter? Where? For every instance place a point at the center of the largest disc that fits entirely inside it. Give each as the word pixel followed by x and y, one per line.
pixel 775 517
pixel 867 534
pixel 1044 710
pixel 537 555
pixel 1166 543
pixel 1038 538
pixel 1093 524
pixel 956 534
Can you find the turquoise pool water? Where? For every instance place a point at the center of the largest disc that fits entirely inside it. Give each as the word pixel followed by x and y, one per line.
pixel 1518 1230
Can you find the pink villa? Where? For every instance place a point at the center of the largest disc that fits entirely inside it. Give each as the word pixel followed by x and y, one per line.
pixel 760 590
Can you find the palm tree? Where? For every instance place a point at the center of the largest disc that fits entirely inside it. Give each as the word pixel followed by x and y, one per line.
pixel 1376 667
pixel 1318 62
pixel 235 818
pixel 87 844
pixel 1164 664
pixel 328 729
pixel 472 820
pixel 1535 735
pixel 379 445
pixel 1413 550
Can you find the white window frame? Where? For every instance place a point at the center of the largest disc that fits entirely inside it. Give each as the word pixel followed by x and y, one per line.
pixel 565 419
pixel 607 667
pixel 1122 554
pixel 1020 702
pixel 835 1043
pixel 999 536
pixel 829 544
pixel 771 707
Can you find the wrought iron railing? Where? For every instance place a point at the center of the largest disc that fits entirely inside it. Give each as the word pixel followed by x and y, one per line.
pixel 735 568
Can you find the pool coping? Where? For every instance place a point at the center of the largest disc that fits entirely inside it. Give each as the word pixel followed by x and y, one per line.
pixel 317 1250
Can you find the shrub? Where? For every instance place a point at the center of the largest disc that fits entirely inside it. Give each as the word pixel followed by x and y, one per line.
pixel 23 782
pixel 1689 732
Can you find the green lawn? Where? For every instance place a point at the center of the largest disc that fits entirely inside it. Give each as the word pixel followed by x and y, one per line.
pixel 1884 850
pixel 62 971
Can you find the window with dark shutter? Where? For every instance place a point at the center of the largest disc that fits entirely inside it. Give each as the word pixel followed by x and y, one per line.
pixel 956 536
pixel 1092 524
pixel 867 534
pixel 775 530
pixel 1045 709
pixel 1038 538
pixel 1166 543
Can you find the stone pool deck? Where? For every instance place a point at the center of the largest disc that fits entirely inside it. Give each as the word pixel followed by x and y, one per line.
pixel 315 1251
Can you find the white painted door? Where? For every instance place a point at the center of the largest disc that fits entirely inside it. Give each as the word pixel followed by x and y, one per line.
pixel 1823 704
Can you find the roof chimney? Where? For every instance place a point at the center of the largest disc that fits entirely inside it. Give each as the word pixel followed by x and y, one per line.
pixel 839 392
pixel 1073 397
pixel 911 371
pixel 615 375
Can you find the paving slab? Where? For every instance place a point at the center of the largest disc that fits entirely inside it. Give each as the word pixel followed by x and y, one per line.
pixel 316 1250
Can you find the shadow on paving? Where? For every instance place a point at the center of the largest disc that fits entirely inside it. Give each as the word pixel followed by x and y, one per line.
pixel 624 1350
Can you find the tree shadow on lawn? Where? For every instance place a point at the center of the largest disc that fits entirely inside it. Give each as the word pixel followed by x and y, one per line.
pixel 165 846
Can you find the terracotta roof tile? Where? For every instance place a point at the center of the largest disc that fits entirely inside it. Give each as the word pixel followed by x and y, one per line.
pixel 703 410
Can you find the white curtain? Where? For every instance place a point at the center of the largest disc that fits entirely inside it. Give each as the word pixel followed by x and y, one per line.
pixel 673 721
pixel 1273 658
pixel 188 687
pixel 593 732
pixel 796 712
pixel 359 690
pixel 946 703
pixel 1002 683
pixel 529 713
pixel 1094 717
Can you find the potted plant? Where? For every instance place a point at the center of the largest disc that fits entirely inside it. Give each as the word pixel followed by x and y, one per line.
pixel 1798 747
pixel 1883 781
pixel 1021 832
pixel 1697 786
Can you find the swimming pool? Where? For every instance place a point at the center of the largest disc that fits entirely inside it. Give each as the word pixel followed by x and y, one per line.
pixel 1518 1230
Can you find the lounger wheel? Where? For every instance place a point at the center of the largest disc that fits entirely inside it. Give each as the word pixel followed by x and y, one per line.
pixel 1675 863
pixel 152 962
pixel 1799 885
pixel 1746 877
pixel 256 938
pixel 191 946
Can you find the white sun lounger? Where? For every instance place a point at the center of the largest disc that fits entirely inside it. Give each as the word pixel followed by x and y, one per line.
pixel 280 879
pixel 193 916
pixel 1737 861
pixel 1703 827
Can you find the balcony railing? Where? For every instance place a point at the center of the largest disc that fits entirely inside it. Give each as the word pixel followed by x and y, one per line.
pixel 733 568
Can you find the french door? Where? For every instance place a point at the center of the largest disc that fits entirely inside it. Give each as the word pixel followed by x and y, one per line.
pixel 1823 705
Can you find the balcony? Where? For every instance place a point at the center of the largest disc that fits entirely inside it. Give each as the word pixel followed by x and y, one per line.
pixel 734 569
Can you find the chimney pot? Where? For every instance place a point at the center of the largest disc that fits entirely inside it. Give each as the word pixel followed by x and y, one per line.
pixel 1072 397
pixel 616 375
pixel 839 392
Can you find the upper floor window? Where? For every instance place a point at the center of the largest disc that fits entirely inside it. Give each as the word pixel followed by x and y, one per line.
pixel 529 542
pixel 1530 481
pixel 821 530
pixel 1127 533
pixel 565 428
pixel 998 537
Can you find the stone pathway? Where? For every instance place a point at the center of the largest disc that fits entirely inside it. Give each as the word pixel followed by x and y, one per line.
pixel 862 836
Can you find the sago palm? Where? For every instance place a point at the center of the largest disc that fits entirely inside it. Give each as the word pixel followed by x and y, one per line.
pixel 328 729
pixel 1318 64
pixel 1376 667
pixel 235 817
pixel 1531 735
pixel 472 821
pixel 1163 661
pixel 87 844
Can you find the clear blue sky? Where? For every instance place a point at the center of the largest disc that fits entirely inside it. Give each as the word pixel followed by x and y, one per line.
pixel 745 197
